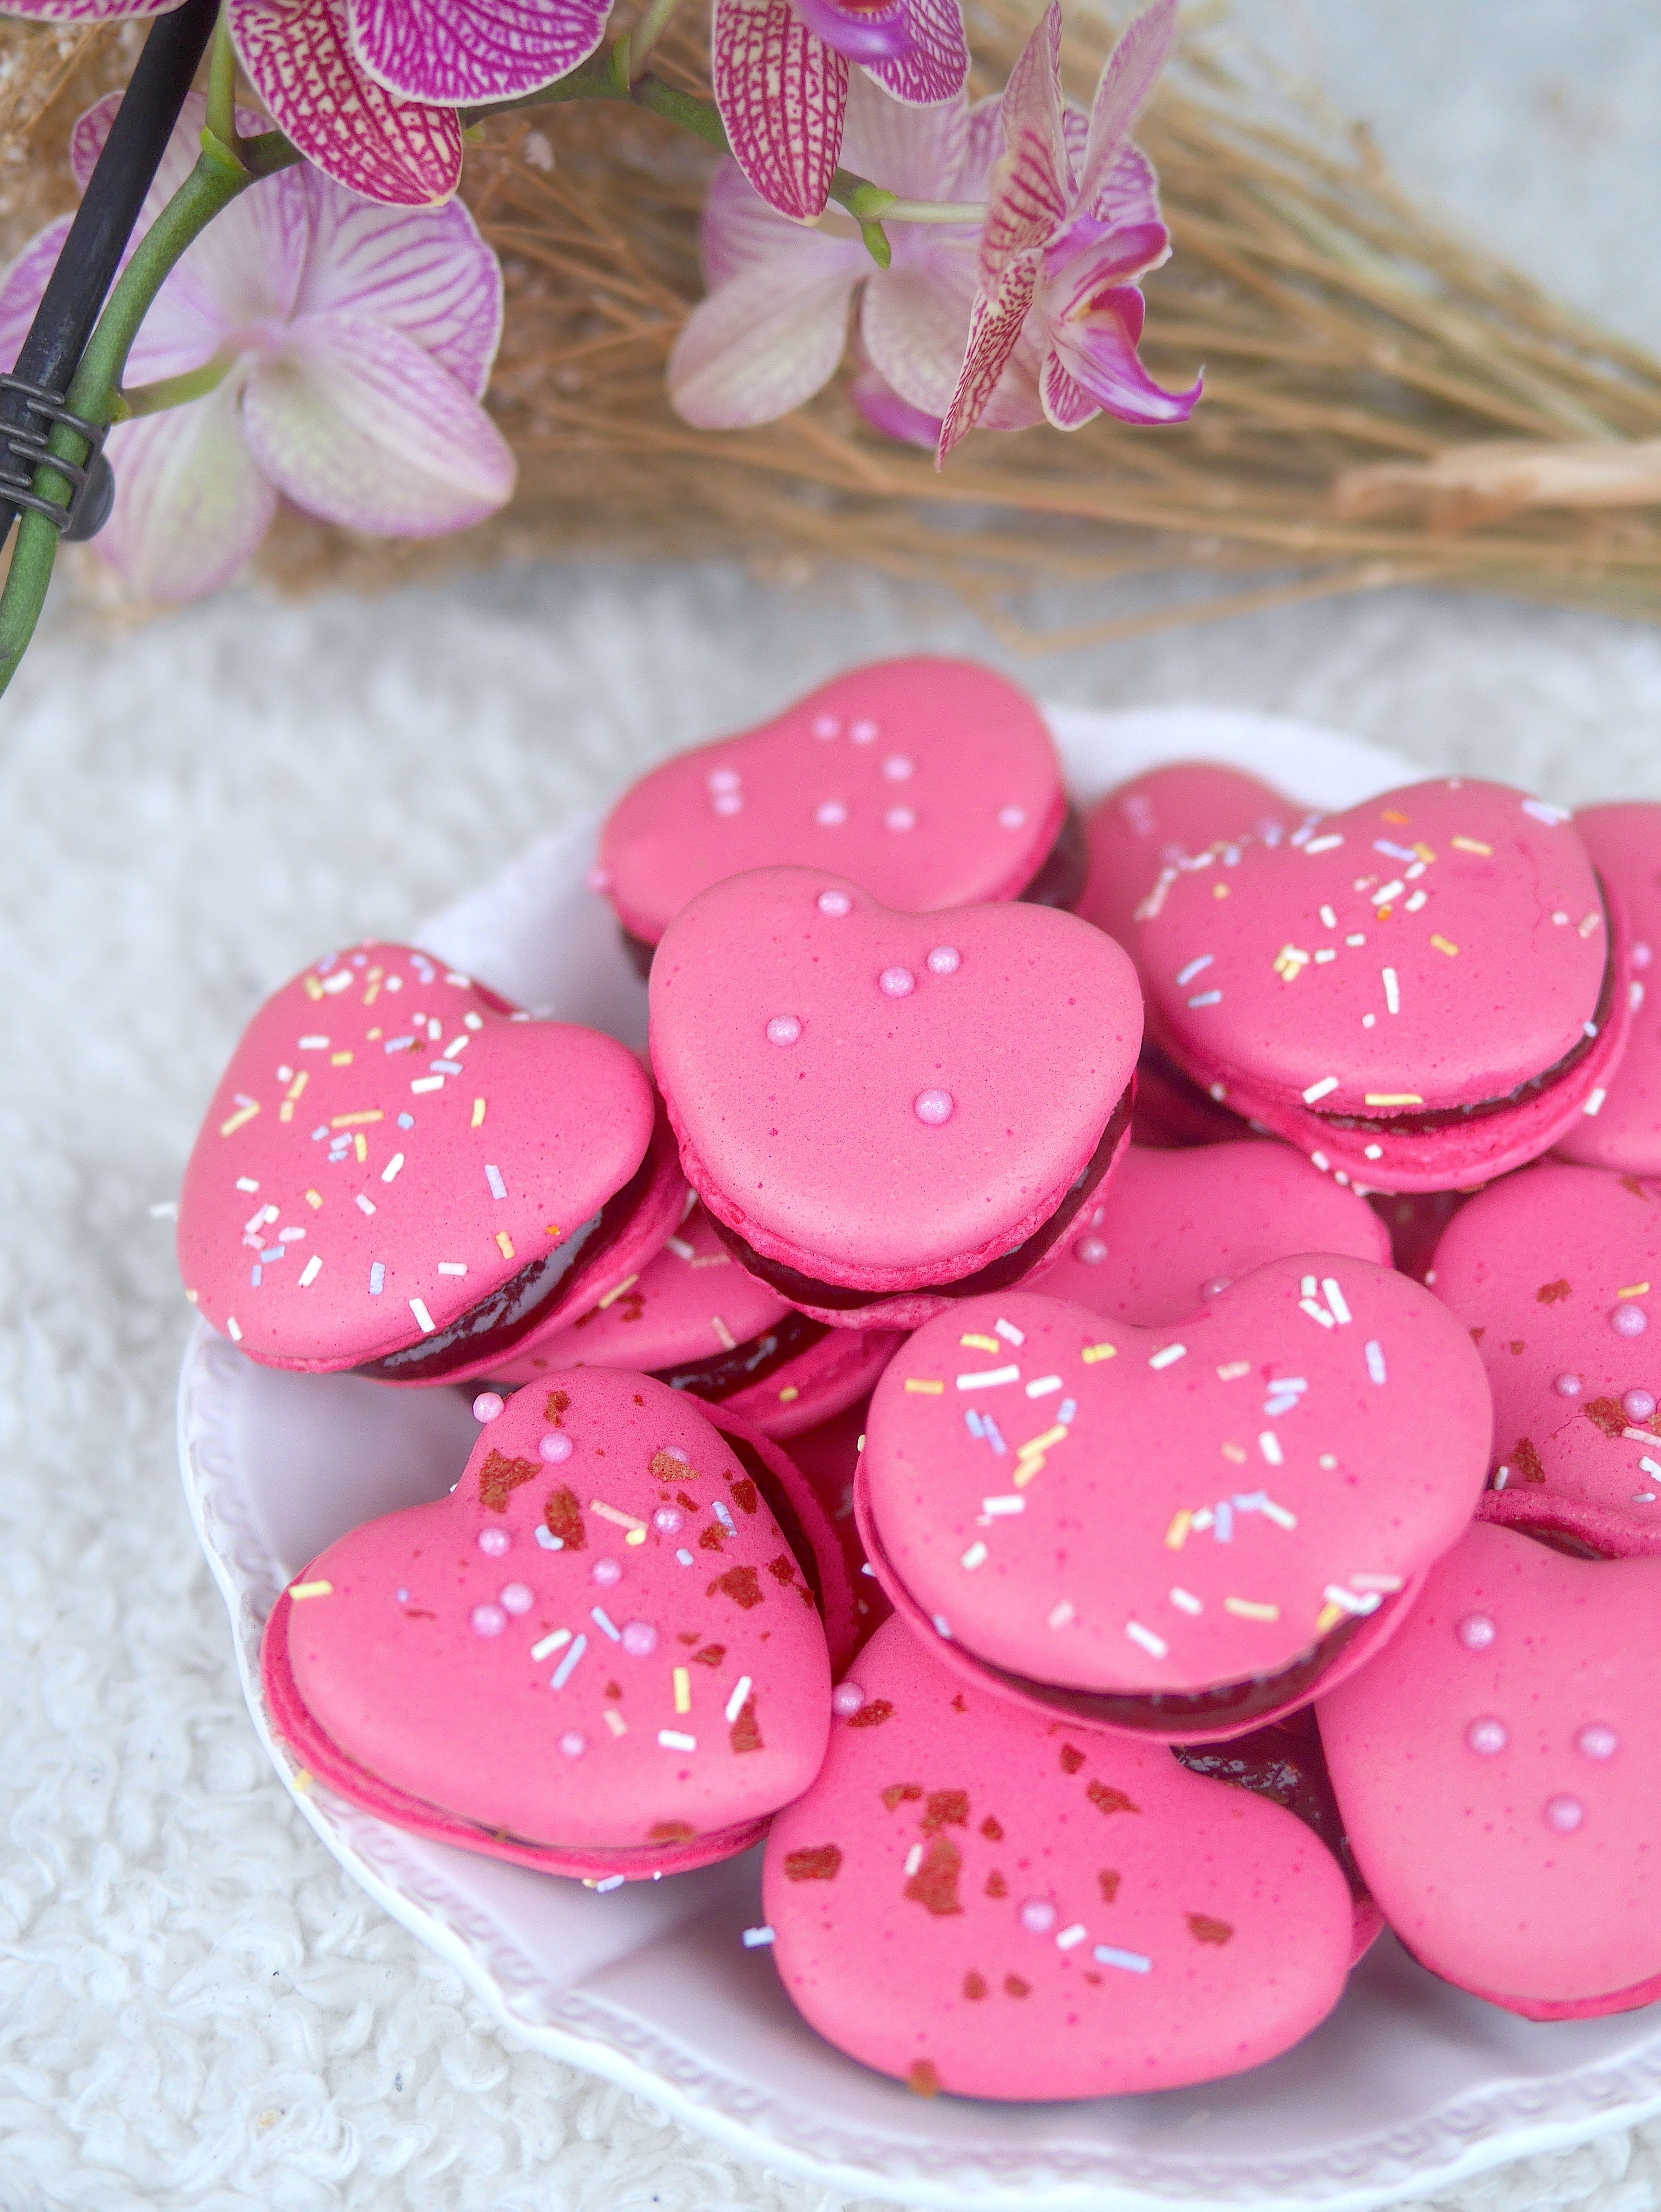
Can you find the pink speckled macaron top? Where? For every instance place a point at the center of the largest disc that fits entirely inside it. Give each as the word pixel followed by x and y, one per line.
pixel 932 782
pixel 973 1900
pixel 1431 950
pixel 388 1146
pixel 1556 1272
pixel 1169 814
pixel 601 1639
pixel 1496 1769
pixel 1625 1133
pixel 1171 1226
pixel 886 1099
pixel 1107 1508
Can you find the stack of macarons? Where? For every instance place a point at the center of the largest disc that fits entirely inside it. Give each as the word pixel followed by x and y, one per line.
pixel 1093 1389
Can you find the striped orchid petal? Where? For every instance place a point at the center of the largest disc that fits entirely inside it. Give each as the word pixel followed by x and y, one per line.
pixel 453 53
pixel 782 94
pixel 1095 344
pixel 87 11
pixel 1128 78
pixel 1028 206
pixel 934 66
pixel 353 421
pixel 995 332
pixel 190 506
pixel 23 284
pixel 918 152
pixel 915 321
pixel 767 340
pixel 298 55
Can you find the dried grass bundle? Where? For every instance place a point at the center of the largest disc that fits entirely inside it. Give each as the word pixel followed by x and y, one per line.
pixel 1384 404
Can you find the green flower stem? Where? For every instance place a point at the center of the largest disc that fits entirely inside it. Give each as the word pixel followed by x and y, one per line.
pixel 647 33
pixel 222 84
pixel 175 391
pixel 219 175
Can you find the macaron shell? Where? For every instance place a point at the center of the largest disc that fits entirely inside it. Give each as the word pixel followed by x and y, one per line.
pixel 1189 1930
pixel 448 1181
pixel 1496 1771
pixel 1170 813
pixel 1397 1008
pixel 1170 1223
pixel 1163 1511
pixel 828 1457
pixel 885 1138
pixel 1535 1268
pixel 1625 1133
pixel 932 782
pixel 518 1694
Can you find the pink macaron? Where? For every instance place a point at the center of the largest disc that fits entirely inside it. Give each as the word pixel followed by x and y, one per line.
pixel 1420 993
pixel 607 1652
pixel 1163 819
pixel 1415 1221
pixel 399 1174
pixel 828 1458
pixel 1625 1133
pixel 933 783
pixel 1556 1272
pixel 1496 1770
pixel 886 1112
pixel 1177 1531
pixel 1172 1228
pixel 699 1321
pixel 973 1900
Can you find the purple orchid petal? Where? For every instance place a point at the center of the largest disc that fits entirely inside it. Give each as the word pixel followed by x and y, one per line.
pixel 1027 207
pixel 1130 191
pixel 915 323
pixel 23 284
pixel 782 93
pixel 739 231
pixel 88 11
pixel 868 34
pixel 299 60
pixel 763 343
pixel 917 152
pixel 1096 345
pixel 452 53
pixel 190 504
pixel 1086 258
pixel 995 332
pixel 354 422
pixel 984 147
pixel 885 412
pixel 92 127
pixel 428 274
pixel 1066 405
pixel 1128 78
pixel 1032 94
pixel 935 68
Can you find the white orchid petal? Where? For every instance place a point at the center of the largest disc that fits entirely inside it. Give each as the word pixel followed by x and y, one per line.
pixel 1128 78
pixel 915 152
pixel 739 232
pixel 189 505
pixel 914 324
pixel 761 344
pixel 23 284
pixel 354 422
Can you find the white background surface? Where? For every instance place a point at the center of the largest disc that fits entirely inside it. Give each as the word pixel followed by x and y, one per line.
pixel 196 2009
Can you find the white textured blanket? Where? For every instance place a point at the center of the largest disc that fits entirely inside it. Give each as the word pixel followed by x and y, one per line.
pixel 197 2008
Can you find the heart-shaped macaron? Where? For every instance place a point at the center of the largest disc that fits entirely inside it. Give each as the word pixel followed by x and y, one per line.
pixel 1496 1769
pixel 1420 992
pixel 699 1321
pixel 1556 1272
pixel 934 783
pixel 975 1900
pixel 877 1106
pixel 1625 1133
pixel 603 1653
pixel 1172 1228
pixel 400 1173
pixel 1176 1530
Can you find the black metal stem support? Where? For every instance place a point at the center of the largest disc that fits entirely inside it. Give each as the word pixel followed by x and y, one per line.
pixel 104 222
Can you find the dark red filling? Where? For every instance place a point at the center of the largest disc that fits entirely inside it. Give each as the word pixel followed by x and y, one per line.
pixel 752 1361
pixel 1060 881
pixel 997 1275
pixel 1433 1122
pixel 491 1329
pixel 1285 1763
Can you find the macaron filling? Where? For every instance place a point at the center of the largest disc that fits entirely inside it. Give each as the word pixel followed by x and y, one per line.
pixel 999 1274
pixel 752 1361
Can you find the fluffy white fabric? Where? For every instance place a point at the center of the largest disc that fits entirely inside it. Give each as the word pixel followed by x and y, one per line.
pixel 197 2008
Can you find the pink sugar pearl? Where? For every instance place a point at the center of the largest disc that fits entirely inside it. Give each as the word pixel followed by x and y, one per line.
pixel 489 1620
pixel 555 1447
pixel 1568 1386
pixel 489 1406
pixel 1628 1320
pixel 846 1699
pixel 515 1597
pixel 933 1107
pixel 1487 1735
pixel 1037 1916
pixel 1475 1631
pixel 1638 1405
pixel 834 903
pixel 640 1638
pixel 493 1542
pixel 1564 1813
pixel 668 1520
pixel 605 1570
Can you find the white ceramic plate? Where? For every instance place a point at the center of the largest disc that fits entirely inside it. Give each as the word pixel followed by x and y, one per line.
pixel 1408 2088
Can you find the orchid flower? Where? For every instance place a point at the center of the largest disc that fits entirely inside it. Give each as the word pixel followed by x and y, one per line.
pixel 1072 222
pixel 780 76
pixel 368 89
pixel 322 350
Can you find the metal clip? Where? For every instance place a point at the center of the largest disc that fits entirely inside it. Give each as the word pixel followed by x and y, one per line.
pixel 23 449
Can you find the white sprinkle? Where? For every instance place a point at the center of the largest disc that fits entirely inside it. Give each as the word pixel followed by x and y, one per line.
pixel 1168 1355
pixel 1185 1601
pixel 1325 954
pixel 1392 852
pixel 677 1739
pixel 684 1557
pixel 1416 901
pixel 567 1667
pixel 1069 1936
pixel 725 1518
pixel 741 1690
pixel 680 1248
pixel 1060 1614
pixel 314 1044
pixel 1595 1103
pixel 377 1278
pixel 424 1321
pixel 1323 844
pixel 1185 976
pixel 1155 1646
pixel 453 1267
pixel 1307 1287
pixel 493 1176
pixel 232 1330
pixel 1207 999
pixel 975 1556
pixel 428 1083
pixel 602 1621
pixel 1649 1465
pixel 1045 1387
pixel 364 1205
pixel 1328 917
pixel 1375 1352
pixel 1388 891
pixel 1270 1444
pixel 1319 1090
pixel 942 1627
pixel 311 1271
pixel 756 1939
pixel 914 1859
pixel 1134 1962
pixel 1355 938
pixel 984 1379
pixel 391 1167
pixel 1551 816
pixel 994 1507
pixel 1386 1582
pixel 550 1645
pixel 612 1882
pixel 1392 990
pixel 1335 1299
pixel 445 1066
pixel 1008 1331
pixel 1314 1312
pixel 1347 1602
